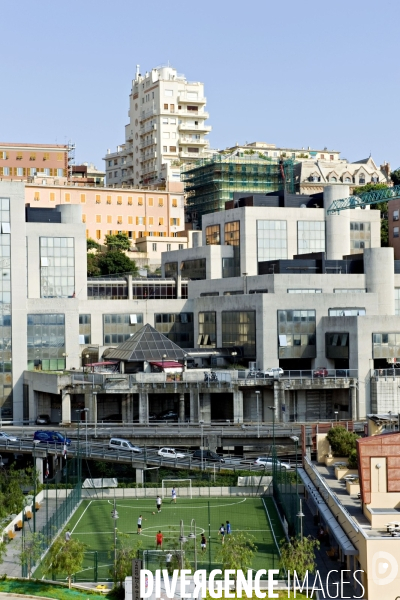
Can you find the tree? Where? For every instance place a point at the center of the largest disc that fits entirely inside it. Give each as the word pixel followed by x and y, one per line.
pixel 341 441
pixel 125 555
pixel 237 552
pixel 91 244
pixel 120 241
pixel 395 177
pixel 113 262
pixel 65 557
pixel 31 548
pixel 299 555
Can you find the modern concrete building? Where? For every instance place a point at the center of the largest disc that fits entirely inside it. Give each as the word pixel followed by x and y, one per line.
pixel 291 291
pixel 166 126
pixel 18 162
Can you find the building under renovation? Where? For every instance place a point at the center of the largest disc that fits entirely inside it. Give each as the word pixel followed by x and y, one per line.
pixel 213 181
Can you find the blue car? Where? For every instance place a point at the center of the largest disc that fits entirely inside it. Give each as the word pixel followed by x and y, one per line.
pixel 50 437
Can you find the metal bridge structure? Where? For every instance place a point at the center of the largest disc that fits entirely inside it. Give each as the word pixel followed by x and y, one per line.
pixel 366 199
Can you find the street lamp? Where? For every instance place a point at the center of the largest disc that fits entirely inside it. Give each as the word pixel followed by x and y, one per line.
pixel 300 515
pixel 115 516
pixel 234 355
pixel 164 356
pixel 201 423
pixel 296 441
pixel 86 362
pixel 65 356
pixel 273 424
pixel 192 536
pixel 86 410
pixel 336 415
pixel 258 414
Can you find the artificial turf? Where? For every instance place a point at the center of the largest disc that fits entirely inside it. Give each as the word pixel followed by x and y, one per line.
pixel 93 524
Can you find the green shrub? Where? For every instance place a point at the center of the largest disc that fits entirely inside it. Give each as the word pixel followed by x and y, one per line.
pixel 341 441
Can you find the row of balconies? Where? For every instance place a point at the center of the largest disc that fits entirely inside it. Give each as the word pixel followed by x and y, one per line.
pixel 190 127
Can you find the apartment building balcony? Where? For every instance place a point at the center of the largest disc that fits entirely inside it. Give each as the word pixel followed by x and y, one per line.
pixel 184 141
pixel 184 97
pixel 147 143
pixel 146 128
pixel 193 113
pixel 128 133
pixel 192 155
pixel 147 114
pixel 191 127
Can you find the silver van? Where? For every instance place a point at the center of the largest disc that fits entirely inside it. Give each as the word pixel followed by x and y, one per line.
pixel 121 444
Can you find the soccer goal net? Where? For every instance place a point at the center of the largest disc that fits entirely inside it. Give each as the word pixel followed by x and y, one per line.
pixel 183 487
pixel 161 559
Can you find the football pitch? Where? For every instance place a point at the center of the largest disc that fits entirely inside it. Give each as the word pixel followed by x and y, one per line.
pixel 93 525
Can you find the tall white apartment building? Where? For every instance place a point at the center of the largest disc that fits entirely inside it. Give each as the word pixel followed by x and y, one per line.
pixel 166 127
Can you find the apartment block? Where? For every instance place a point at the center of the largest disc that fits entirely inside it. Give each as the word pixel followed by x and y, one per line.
pixel 166 125
pixel 138 213
pixel 19 162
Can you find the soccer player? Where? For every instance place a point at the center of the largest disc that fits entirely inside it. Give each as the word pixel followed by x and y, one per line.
pixel 67 535
pixel 159 540
pixel 139 524
pixel 221 532
pixel 228 528
pixel 158 503
pixel 173 495
pixel 203 542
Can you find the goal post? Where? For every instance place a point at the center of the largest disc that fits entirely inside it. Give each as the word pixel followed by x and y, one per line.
pixel 183 488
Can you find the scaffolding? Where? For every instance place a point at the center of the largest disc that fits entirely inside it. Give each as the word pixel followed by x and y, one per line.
pixel 211 182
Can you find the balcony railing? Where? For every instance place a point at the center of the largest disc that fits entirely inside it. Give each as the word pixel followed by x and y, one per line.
pixel 386 373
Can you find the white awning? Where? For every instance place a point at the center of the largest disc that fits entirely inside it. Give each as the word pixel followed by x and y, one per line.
pixel 327 516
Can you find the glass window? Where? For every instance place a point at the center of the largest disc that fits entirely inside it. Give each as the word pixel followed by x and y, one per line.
pixel 395 232
pixel 85 334
pixel 395 215
pixel 310 236
pixel 360 236
pixel 177 327
pixel 117 328
pixel 296 333
pixel 271 240
pixel 304 291
pixel 207 330
pixel 232 238
pixel 239 329
pixel 386 345
pixel 349 290
pixel 397 301
pixel 194 269
pixel 213 235
pixel 46 341
pixel 346 312
pixel 57 267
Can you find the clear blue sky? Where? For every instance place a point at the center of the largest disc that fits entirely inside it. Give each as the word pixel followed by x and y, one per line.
pixel 294 73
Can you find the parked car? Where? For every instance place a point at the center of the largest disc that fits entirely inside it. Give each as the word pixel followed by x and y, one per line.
pixel 6 437
pixel 50 437
pixel 321 372
pixel 121 444
pixel 273 372
pixel 43 420
pixel 268 463
pixel 152 417
pixel 168 415
pixel 207 455
pixel 170 453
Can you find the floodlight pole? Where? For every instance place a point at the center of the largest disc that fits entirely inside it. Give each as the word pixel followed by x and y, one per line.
pixel 258 414
pixel 114 515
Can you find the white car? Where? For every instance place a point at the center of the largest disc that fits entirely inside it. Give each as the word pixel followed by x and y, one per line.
pixel 170 453
pixel 268 463
pixel 6 437
pixel 273 372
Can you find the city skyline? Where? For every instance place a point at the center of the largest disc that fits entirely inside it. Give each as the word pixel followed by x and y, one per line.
pixel 315 81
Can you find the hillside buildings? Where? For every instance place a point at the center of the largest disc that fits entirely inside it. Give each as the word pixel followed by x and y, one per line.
pixel 311 293
pixel 166 126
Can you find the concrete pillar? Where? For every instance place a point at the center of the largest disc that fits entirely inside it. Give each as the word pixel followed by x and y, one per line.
pixel 283 408
pixel 182 408
pixel 129 288
pixel 90 405
pixel 65 408
pixel 205 408
pixel 39 469
pixel 139 475
pixel 238 406
pixel 127 408
pixel 194 405
pixel 379 277
pixel 178 280
pixel 277 398
pixel 353 402
pixel 337 233
pixel 143 407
